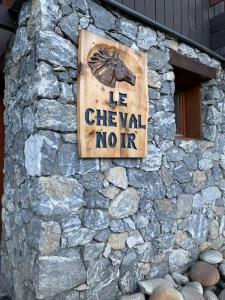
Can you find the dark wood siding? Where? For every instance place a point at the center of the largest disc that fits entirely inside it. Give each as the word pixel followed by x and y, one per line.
pixel 188 17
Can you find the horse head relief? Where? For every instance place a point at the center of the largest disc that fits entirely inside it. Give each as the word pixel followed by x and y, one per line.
pixel 109 68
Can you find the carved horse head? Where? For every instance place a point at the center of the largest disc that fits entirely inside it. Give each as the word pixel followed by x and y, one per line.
pixel 109 69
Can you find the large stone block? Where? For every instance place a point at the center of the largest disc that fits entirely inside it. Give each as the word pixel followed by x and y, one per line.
pixel 125 204
pixel 56 116
pixel 40 152
pixel 57 274
pixel 56 197
pixel 49 50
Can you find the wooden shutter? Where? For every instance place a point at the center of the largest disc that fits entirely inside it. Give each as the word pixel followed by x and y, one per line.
pixel 192 112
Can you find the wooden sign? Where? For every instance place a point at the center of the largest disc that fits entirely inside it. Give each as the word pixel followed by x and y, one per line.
pixel 112 99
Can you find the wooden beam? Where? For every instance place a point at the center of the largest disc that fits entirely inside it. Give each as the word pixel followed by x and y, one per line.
pixel 201 71
pixel 214 2
pixel 7 22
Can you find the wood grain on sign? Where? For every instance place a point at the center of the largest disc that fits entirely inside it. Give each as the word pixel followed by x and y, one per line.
pixel 112 99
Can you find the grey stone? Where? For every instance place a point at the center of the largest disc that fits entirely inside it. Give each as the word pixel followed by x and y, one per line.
pixel 40 153
pixel 66 93
pixel 96 200
pixel 21 44
pixel 180 279
pixel 44 236
pixel 187 50
pixel 196 285
pixel 128 282
pixel 198 227
pixel 164 124
pixel 47 85
pixel 57 196
pixel 57 274
pixel 145 252
pixel 153 94
pixel 158 59
pixel 211 194
pixel 95 219
pixel 138 296
pixel 90 184
pixel 134 239
pixel 69 164
pixel 209 295
pixel 147 287
pixel 153 161
pixel 129 29
pixel 49 50
pixel 184 206
pixel 222 269
pixel 103 235
pixel 125 204
pixel 92 251
pixel 178 258
pixel 118 177
pixel 213 116
pixel 190 293
pixel 182 174
pixel 146 38
pixel 71 224
pixel 117 226
pixel 211 256
pixel 117 240
pixel 55 116
pixel 98 271
pixel 103 19
pixel 81 237
pixel 69 25
pixel 129 261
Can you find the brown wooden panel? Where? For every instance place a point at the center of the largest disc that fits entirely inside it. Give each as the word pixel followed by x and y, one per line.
pixel 140 6
pixel 192 19
pixel 218 39
pixel 177 23
pixel 150 8
pixel 205 24
pixel 169 13
pixel 199 20
pixel 218 23
pixel 189 64
pixel 7 3
pixel 160 11
pixel 129 3
pixel 192 112
pixel 185 17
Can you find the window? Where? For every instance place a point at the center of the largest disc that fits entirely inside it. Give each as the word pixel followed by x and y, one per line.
pixel 189 73
pixel 187 105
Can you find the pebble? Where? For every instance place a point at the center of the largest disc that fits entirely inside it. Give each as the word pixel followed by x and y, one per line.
pixel 222 269
pixel 170 279
pixel 222 295
pixel 180 279
pixel 196 285
pixel 191 294
pixel 166 293
pixel 138 296
pixel 209 295
pixel 147 287
pixel 211 256
pixel 204 273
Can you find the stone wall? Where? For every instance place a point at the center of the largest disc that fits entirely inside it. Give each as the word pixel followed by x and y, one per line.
pixel 91 229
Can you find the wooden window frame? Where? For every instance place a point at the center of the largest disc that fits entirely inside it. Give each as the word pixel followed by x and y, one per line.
pixel 189 106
